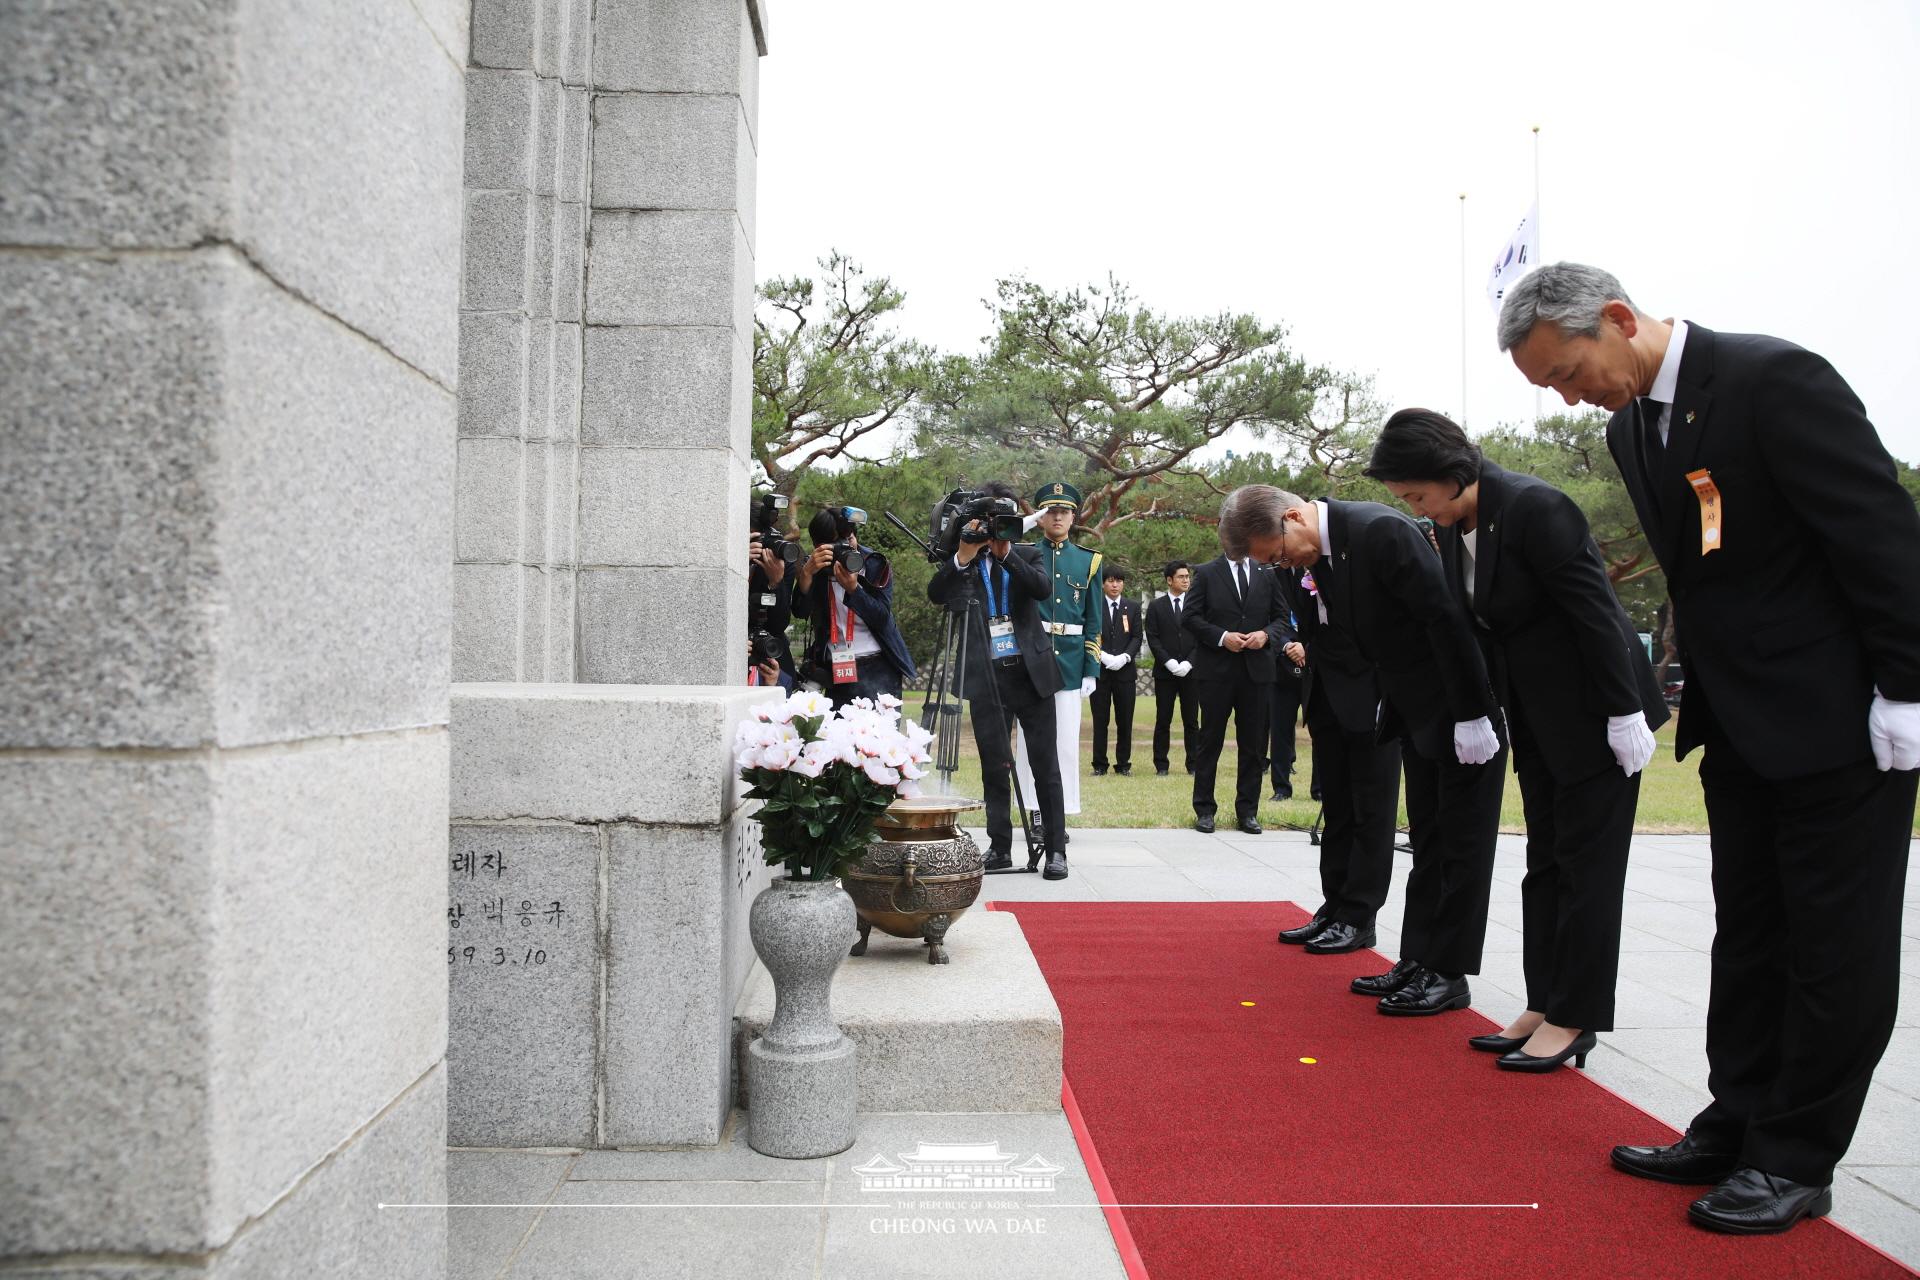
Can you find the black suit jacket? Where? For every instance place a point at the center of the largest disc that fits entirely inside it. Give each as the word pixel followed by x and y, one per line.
pixel 1025 586
pixel 1813 596
pixel 1213 607
pixel 1384 587
pixel 1336 670
pixel 1167 638
pixel 1561 647
pixel 1115 638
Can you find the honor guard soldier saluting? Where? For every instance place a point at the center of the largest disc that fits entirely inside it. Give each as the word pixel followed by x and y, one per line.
pixel 1072 618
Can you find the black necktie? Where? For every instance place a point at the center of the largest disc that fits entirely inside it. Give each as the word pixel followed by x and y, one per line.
pixel 1240 574
pixel 1650 431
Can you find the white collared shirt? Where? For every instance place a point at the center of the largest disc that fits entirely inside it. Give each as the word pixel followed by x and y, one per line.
pixel 1666 383
pixel 1326 550
pixel 1234 569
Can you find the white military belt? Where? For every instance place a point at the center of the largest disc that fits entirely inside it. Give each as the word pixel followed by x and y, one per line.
pixel 1064 628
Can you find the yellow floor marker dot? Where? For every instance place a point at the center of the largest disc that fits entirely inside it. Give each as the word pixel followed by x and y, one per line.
pixel 1309 1061
pixel 1246 1004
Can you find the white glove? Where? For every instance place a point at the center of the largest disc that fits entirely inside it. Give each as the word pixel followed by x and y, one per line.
pixel 1631 740
pixel 1179 666
pixel 1894 728
pixel 1087 687
pixel 1474 741
pixel 1029 520
pixel 1113 661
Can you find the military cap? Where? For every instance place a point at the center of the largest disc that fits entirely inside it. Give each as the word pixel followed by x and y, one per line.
pixel 1057 494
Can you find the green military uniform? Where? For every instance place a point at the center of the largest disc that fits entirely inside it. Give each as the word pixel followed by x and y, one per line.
pixel 1072 614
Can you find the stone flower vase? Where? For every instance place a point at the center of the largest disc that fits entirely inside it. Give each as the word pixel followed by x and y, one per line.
pixel 800 1070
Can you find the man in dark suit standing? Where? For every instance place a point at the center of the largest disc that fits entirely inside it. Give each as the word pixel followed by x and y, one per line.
pixel 1791 554
pixel 1359 777
pixel 1173 681
pixel 1120 635
pixel 995 587
pixel 1382 584
pixel 1237 615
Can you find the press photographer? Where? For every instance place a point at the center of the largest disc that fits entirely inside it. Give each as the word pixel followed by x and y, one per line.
pixel 770 557
pixel 857 650
pixel 994 587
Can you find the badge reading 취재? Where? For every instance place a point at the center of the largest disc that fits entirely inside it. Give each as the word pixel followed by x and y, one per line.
pixel 1712 535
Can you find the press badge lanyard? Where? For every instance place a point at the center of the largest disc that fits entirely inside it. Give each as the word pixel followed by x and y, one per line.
pixel 999 625
pixel 846 668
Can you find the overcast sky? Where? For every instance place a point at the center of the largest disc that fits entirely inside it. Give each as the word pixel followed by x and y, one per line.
pixel 1750 166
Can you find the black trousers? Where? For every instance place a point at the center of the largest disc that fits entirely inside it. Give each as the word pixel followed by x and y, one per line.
pixel 1578 832
pixel 1360 794
pixel 1113 693
pixel 1167 690
pixel 993 735
pixel 1248 704
pixel 1286 716
pixel 1808 877
pixel 1453 816
pixel 877 675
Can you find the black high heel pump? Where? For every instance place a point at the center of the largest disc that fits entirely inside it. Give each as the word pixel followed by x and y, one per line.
pixel 1519 1060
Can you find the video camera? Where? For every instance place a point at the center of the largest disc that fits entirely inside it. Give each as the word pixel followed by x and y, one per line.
pixel 953 513
pixel 766 516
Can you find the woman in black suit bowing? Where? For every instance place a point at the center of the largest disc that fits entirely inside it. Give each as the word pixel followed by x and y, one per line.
pixel 1581 707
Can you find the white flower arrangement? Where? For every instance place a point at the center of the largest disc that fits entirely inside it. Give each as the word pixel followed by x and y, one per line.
pixel 825 775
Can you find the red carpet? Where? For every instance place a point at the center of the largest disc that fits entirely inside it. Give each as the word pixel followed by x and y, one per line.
pixel 1190 1097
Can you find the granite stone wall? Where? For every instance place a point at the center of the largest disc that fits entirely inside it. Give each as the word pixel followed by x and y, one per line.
pixel 229 258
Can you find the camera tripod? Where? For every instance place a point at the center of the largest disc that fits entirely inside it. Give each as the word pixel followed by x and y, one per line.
pixel 963 624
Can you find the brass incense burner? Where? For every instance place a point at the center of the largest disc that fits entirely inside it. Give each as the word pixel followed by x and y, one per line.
pixel 919 872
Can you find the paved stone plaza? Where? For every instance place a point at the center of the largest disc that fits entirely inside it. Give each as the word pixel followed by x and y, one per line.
pixel 1656 1059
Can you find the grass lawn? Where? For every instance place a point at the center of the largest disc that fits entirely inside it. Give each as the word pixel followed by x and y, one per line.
pixel 1669 796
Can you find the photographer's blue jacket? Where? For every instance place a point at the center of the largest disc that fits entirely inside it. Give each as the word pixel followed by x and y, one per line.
pixel 872 604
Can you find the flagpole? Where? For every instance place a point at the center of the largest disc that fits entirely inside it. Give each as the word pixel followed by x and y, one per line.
pixel 1539 250
pixel 1463 309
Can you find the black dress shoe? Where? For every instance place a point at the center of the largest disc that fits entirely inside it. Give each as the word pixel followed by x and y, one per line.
pixel 1281 793
pixel 1056 867
pixel 1305 932
pixel 1521 1060
pixel 998 862
pixel 1124 770
pixel 1338 938
pixel 1204 823
pixel 1427 995
pixel 1385 984
pixel 1159 771
pixel 1752 1203
pixel 1250 825
pixel 1685 1161
pixel 1494 1042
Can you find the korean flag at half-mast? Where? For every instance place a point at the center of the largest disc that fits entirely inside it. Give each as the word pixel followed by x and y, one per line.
pixel 1519 255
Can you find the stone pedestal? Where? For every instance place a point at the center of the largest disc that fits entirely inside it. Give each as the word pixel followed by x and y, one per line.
pixel 607 820
pixel 229 252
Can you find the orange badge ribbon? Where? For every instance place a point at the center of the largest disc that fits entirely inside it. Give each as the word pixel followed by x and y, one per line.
pixel 1711 537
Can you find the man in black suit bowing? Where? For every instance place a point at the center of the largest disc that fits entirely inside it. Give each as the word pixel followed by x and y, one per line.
pixel 1120 635
pixel 1238 617
pixel 1173 680
pixel 1791 554
pixel 1383 586
pixel 995 587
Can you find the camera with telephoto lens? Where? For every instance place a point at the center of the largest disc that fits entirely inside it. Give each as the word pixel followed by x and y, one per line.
pixel 953 513
pixel 766 516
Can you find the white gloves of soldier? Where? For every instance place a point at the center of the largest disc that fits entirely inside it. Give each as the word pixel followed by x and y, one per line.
pixel 1631 741
pixel 1113 661
pixel 1894 729
pixel 1474 741
pixel 1087 686
pixel 1028 521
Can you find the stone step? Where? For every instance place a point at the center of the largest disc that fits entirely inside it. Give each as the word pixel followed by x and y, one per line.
pixel 980 1033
